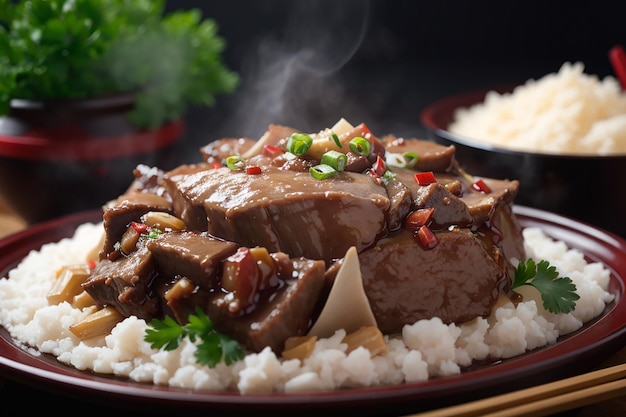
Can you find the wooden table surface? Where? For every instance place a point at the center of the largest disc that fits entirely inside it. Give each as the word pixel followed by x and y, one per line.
pixel 10 223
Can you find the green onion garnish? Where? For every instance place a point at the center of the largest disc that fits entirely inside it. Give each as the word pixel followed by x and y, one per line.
pixel 335 159
pixel 411 159
pixel 360 146
pixel 235 162
pixel 322 171
pixel 299 143
pixel 334 137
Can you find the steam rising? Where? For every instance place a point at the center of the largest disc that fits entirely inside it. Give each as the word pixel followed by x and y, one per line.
pixel 291 80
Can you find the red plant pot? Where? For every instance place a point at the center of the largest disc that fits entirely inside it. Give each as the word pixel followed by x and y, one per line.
pixel 65 156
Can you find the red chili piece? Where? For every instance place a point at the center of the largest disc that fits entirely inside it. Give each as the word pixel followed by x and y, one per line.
pixel 419 218
pixel 217 165
pixel 253 170
pixel 379 167
pixel 140 228
pixel 426 237
pixel 271 151
pixel 365 130
pixel 91 263
pixel 425 178
pixel 481 186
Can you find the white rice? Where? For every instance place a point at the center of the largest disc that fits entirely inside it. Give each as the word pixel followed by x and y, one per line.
pixel 566 112
pixel 426 349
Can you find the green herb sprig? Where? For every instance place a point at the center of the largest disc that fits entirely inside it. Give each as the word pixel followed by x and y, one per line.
pixel 75 49
pixel 213 347
pixel 557 293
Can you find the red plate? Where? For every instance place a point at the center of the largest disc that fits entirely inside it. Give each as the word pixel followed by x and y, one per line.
pixel 575 353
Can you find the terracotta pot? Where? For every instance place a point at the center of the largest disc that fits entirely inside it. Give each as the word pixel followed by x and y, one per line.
pixel 59 157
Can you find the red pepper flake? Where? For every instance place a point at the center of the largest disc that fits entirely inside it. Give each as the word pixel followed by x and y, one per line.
pixel 419 218
pixel 425 178
pixel 271 151
pixel 253 170
pixel 140 228
pixel 379 167
pixel 481 186
pixel 365 131
pixel 91 263
pixel 216 165
pixel 426 237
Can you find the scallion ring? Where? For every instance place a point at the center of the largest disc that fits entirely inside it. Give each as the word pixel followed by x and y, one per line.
pixel 410 159
pixel 335 159
pixel 299 143
pixel 322 171
pixel 235 162
pixel 335 138
pixel 360 146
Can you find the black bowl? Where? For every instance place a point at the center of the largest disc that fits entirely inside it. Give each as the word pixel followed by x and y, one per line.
pixel 591 189
pixel 61 157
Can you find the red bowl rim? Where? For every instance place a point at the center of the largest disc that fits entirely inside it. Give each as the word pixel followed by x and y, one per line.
pixel 96 148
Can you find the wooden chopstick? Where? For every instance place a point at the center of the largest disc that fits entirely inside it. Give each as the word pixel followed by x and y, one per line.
pixel 542 400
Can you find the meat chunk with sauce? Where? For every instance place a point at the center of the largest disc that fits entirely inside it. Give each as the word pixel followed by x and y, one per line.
pixel 283 210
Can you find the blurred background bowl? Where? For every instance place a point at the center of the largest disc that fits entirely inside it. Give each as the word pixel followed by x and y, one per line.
pixel 587 188
pixel 60 157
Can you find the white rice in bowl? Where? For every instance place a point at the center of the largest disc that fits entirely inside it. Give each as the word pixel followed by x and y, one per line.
pixel 568 112
pixel 426 349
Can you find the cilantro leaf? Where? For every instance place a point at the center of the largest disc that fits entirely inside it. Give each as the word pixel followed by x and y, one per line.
pixel 212 347
pixel 167 333
pixel 558 294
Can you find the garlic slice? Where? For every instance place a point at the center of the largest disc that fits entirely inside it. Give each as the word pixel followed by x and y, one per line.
pixel 347 306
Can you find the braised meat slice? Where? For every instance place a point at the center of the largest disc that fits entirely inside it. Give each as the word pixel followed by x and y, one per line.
pixel 128 208
pixel 449 209
pixel 221 149
pixel 457 280
pixel 432 156
pixel 194 255
pixel 284 211
pixel 286 313
pixel 125 284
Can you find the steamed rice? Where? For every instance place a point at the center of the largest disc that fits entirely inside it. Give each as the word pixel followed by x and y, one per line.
pixel 426 349
pixel 566 112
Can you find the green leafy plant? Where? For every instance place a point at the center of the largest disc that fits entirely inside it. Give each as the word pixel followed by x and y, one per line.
pixel 557 293
pixel 67 49
pixel 213 347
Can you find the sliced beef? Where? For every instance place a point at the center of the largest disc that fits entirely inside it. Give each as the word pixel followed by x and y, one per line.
pixel 432 156
pixel 185 204
pixel 401 200
pixel 286 313
pixel 147 180
pixel 125 284
pixel 128 208
pixel 457 280
pixel 449 209
pixel 194 255
pixel 284 211
pixel 221 149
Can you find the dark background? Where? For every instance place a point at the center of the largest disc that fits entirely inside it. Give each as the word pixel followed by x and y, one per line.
pixel 308 63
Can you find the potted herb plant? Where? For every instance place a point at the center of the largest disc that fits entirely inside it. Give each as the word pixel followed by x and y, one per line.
pixel 91 88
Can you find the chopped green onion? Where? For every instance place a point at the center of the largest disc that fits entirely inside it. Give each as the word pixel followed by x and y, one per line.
pixel 360 146
pixel 410 158
pixel 335 159
pixel 334 137
pixel 235 162
pixel 322 171
pixel 299 143
pixel 404 160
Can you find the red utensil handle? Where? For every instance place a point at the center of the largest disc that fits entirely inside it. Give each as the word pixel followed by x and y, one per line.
pixel 617 55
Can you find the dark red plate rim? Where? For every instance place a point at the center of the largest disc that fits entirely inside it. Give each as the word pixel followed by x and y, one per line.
pixel 573 354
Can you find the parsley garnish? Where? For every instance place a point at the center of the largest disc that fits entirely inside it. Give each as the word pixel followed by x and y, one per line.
pixel 557 293
pixel 213 346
